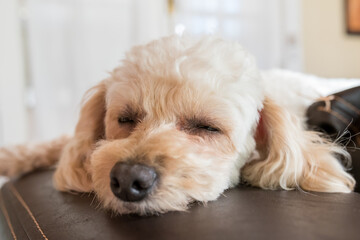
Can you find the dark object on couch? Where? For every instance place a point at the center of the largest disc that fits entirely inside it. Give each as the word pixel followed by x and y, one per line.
pixel 35 210
pixel 338 115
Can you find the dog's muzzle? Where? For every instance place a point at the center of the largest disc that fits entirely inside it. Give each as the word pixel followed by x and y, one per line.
pixel 132 182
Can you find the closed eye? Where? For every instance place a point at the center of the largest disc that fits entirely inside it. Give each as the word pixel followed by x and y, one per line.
pixel 124 120
pixel 200 126
pixel 208 128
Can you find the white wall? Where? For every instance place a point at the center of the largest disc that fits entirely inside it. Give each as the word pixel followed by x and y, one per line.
pixel 328 50
pixel 13 117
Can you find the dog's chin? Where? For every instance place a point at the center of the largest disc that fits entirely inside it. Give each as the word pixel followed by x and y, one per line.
pixel 158 202
pixel 152 205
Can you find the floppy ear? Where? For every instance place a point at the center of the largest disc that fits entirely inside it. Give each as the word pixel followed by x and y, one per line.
pixel 72 172
pixel 292 157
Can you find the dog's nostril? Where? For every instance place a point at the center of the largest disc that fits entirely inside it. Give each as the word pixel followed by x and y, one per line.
pixel 132 182
pixel 138 186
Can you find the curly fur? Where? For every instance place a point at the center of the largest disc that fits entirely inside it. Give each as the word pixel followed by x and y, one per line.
pixel 169 86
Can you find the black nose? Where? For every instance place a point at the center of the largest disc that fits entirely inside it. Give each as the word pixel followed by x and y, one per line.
pixel 132 182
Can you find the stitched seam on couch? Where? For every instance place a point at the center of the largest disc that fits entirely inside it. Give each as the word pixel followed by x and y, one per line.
pixel 17 214
pixel 328 108
pixel 340 117
pixel 7 218
pixel 349 105
pixel 23 203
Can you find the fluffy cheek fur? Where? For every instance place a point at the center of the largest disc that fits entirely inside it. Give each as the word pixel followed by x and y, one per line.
pixel 188 170
pixel 292 157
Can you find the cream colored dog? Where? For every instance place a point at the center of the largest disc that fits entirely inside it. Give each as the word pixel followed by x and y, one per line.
pixel 178 122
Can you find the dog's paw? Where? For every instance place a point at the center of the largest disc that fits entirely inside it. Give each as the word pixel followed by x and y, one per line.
pixel 4 163
pixel 9 162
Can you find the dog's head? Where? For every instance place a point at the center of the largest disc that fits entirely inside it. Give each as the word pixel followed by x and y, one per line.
pixel 172 125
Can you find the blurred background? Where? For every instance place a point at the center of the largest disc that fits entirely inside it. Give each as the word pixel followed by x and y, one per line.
pixel 51 51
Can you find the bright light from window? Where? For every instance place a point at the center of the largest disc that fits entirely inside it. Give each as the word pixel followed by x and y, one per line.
pixel 179 29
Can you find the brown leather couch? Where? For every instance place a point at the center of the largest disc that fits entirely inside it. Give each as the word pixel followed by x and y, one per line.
pixel 32 209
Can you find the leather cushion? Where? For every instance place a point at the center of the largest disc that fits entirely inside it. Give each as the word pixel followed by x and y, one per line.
pixel 355 169
pixel 35 210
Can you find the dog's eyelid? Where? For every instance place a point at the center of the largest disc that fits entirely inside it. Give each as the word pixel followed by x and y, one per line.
pixel 126 120
pixel 205 124
pixel 133 113
pixel 127 116
pixel 209 128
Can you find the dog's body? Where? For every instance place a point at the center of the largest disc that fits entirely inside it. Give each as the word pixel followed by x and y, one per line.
pixel 178 122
